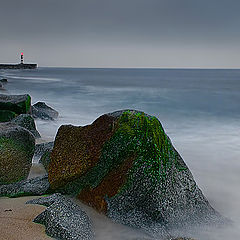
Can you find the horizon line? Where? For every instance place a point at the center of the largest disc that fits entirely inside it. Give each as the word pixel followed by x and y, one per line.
pixel 177 68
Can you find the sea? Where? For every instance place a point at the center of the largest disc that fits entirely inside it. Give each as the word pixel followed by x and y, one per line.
pixel 198 108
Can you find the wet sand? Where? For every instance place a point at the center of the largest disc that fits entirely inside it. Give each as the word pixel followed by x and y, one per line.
pixel 16 220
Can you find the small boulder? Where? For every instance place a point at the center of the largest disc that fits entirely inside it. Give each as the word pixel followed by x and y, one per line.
pixel 6 115
pixel 63 219
pixel 27 121
pixel 16 151
pixel 43 111
pixel 42 152
pixel 41 148
pixel 29 187
pixel 3 80
pixel 45 160
pixel 125 166
pixel 18 104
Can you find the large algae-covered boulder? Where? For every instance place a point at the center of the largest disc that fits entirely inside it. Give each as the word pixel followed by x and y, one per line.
pixel 16 152
pixel 125 166
pixel 16 103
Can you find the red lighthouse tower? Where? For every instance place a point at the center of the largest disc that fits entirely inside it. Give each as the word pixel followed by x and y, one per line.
pixel 21 57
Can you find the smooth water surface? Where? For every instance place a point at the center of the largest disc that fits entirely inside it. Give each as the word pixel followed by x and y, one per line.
pixel 199 110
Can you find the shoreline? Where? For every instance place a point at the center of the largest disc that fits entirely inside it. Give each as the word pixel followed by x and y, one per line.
pixel 16 219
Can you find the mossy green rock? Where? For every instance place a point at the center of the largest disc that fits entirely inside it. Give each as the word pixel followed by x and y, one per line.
pixel 125 166
pixel 16 151
pixel 6 115
pixel 18 104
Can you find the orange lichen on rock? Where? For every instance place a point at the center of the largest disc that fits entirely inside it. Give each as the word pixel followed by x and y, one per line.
pixel 77 149
pixel 109 187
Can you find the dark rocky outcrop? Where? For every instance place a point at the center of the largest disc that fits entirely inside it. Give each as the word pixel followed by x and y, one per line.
pixel 43 111
pixel 63 219
pixel 27 121
pixel 124 165
pixel 18 104
pixel 6 115
pixel 3 80
pixel 16 151
pixel 30 187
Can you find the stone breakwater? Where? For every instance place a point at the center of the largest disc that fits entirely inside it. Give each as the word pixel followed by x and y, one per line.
pixel 123 165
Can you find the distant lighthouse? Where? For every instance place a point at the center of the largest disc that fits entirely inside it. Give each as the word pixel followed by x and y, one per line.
pixel 21 57
pixel 20 65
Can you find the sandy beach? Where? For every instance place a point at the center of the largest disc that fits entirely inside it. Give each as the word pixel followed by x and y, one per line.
pixel 16 220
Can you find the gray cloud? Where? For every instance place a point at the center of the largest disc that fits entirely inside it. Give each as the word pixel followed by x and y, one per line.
pixel 121 31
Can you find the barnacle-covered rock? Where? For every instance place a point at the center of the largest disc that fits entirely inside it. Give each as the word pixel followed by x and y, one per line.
pixel 64 219
pixel 125 166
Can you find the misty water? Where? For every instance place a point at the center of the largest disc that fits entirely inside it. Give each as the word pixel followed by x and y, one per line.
pixel 199 109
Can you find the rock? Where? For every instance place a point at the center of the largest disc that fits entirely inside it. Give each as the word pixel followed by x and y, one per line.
pixel 125 166
pixel 6 115
pixel 43 151
pixel 27 121
pixel 34 186
pixel 16 103
pixel 171 238
pixel 3 80
pixel 43 111
pixel 181 238
pixel 1 86
pixel 16 151
pixel 45 160
pixel 41 148
pixel 63 219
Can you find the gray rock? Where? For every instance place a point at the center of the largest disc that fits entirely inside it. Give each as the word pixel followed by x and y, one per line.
pixel 41 148
pixel 19 104
pixel 16 151
pixel 42 152
pixel 6 115
pixel 27 121
pixel 45 160
pixel 43 111
pixel 63 219
pixel 34 186
pixel 3 80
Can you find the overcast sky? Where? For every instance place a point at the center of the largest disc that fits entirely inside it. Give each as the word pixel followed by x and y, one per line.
pixel 121 33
